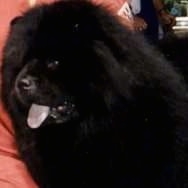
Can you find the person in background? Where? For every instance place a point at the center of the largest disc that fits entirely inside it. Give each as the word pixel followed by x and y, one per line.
pixel 13 172
pixel 164 16
pixel 148 16
pixel 166 19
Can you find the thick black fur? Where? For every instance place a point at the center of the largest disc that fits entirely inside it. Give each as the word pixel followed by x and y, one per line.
pixel 132 111
pixel 174 47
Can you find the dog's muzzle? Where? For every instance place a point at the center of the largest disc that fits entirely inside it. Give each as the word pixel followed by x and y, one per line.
pixel 38 114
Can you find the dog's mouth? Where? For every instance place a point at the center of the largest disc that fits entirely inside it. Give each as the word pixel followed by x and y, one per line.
pixel 38 114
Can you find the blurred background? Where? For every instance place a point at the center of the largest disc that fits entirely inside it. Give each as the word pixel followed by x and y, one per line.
pixel 179 8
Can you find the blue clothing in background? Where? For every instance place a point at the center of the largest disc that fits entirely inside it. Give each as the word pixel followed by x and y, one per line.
pixel 148 13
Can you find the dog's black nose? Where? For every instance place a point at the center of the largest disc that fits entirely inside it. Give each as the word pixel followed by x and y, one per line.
pixel 27 83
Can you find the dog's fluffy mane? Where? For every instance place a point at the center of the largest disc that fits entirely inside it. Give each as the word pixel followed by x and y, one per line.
pixel 174 47
pixel 134 108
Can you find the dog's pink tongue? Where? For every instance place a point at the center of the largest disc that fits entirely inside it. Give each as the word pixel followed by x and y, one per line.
pixel 37 114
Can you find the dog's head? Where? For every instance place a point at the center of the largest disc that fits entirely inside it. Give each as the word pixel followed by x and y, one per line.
pixel 59 88
pixel 39 86
pixel 52 64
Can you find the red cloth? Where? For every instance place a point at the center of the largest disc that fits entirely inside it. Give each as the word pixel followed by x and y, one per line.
pixel 113 5
pixel 13 172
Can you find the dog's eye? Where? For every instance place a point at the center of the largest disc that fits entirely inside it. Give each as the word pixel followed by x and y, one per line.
pixel 52 65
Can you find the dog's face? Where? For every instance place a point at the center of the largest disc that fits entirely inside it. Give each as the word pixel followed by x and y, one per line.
pixel 59 77
pixel 40 87
pixel 58 88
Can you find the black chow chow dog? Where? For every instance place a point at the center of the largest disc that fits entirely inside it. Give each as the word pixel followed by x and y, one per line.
pixel 92 104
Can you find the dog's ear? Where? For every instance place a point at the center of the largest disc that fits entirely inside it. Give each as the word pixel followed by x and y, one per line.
pixel 15 20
